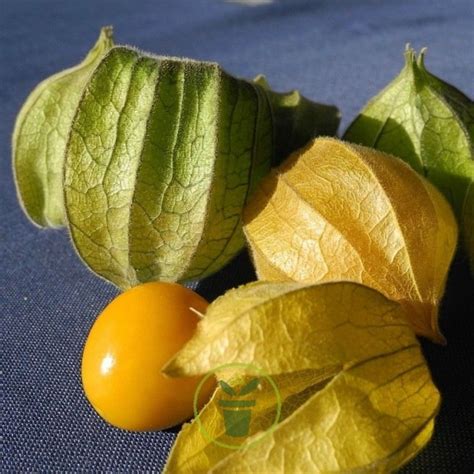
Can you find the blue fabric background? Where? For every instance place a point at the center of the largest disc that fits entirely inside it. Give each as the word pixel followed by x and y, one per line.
pixel 334 51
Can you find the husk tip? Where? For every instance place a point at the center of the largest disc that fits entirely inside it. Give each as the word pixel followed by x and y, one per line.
pixel 410 55
pixel 261 80
pixel 412 59
pixel 107 32
pixel 421 58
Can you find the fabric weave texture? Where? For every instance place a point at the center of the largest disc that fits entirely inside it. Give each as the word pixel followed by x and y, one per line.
pixel 334 51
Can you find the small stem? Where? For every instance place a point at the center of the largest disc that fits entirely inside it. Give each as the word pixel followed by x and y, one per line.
pixel 195 311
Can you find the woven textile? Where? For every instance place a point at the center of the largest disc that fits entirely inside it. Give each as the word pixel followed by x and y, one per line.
pixel 334 51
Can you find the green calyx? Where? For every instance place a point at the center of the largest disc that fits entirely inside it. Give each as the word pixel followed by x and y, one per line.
pixel 150 160
pixel 162 157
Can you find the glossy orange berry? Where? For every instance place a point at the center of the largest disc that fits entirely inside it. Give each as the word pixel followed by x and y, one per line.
pixel 131 340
